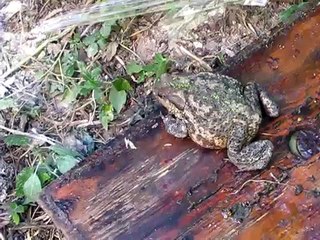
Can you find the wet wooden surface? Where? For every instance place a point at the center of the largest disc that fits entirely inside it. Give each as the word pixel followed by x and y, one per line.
pixel 170 188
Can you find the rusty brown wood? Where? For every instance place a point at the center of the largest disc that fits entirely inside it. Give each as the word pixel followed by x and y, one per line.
pixel 170 188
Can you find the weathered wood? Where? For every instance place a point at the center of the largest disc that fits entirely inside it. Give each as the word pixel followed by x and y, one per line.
pixel 170 188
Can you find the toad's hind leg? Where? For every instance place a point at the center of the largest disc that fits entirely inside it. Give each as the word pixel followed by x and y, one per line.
pixel 255 156
pixel 253 92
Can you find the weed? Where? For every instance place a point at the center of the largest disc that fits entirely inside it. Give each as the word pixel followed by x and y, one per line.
pixel 158 67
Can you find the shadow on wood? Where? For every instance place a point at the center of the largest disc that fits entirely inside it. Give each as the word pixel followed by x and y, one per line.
pixel 170 188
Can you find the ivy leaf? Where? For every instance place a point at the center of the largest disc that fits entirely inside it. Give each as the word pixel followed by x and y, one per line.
pixel 16 140
pixel 7 103
pixel 134 68
pixel 65 163
pixel 22 177
pixel 106 115
pixel 92 50
pixel 32 188
pixel 117 99
pixel 122 84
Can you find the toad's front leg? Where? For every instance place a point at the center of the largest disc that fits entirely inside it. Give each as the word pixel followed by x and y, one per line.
pixel 175 126
pixel 255 156
pixel 253 92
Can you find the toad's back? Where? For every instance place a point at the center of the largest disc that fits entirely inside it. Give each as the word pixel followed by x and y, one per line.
pixel 213 102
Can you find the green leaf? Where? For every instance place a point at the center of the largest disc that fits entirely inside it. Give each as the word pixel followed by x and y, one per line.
pixel 76 38
pixel 68 69
pixel 71 94
pixel 134 68
pixel 150 68
pixel 7 103
pixel 106 115
pixel 39 75
pixel 98 95
pixel 22 177
pixel 60 150
pixel 16 140
pixel 14 207
pixel 158 58
pixel 92 50
pixel 117 98
pixel 81 66
pixel 44 177
pixel 102 43
pixel 69 57
pixel 105 29
pixel 122 84
pixel 141 78
pixel 32 188
pixel 161 65
pixel 15 218
pixel 96 72
pixel 89 40
pixel 91 83
pixel 158 67
pixel 65 163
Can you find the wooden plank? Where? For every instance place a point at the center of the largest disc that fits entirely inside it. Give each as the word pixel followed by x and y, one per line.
pixel 170 188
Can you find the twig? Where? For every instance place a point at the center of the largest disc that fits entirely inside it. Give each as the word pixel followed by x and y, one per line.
pixel 84 123
pixel 21 227
pixel 203 63
pixel 124 66
pixel 131 51
pixel 39 137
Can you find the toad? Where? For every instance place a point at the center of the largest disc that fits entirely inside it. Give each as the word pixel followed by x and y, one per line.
pixel 217 112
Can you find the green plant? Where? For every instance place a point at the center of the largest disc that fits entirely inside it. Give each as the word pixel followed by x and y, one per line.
pixel 16 140
pixel 156 68
pixel 69 63
pixel 30 181
pixel 98 39
pixel 15 211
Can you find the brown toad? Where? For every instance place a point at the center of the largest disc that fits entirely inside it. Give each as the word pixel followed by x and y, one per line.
pixel 218 112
